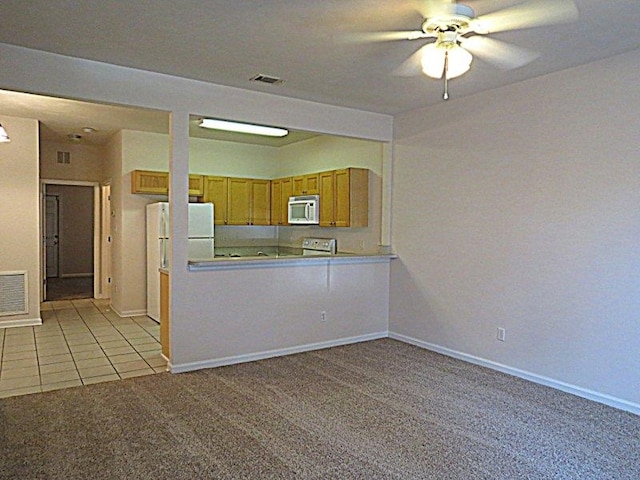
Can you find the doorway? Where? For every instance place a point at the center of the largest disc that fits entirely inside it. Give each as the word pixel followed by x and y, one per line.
pixel 71 240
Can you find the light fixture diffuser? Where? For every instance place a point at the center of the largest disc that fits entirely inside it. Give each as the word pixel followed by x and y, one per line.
pixel 433 56
pixel 4 137
pixel 243 127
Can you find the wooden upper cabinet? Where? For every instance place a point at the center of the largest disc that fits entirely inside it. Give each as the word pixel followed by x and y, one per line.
pixel 344 198
pixel 150 182
pixel 260 202
pixel 249 201
pixel 157 183
pixel 238 201
pixel 281 190
pixel 306 184
pixel 196 185
pixel 215 191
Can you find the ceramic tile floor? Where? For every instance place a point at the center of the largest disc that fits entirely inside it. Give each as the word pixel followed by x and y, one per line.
pixel 79 342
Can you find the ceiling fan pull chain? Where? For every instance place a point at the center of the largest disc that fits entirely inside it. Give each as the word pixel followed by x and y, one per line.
pixel 446 76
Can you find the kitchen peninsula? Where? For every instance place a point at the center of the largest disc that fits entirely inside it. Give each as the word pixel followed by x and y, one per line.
pixel 281 304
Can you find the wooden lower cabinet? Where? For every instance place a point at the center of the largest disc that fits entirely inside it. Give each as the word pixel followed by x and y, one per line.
pixel 165 321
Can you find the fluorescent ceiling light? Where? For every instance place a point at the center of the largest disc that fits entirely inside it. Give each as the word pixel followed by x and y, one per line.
pixel 4 137
pixel 243 128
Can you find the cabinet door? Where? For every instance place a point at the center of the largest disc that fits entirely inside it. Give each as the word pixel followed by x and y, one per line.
pixel 276 204
pixel 165 320
pixel 342 205
pixel 306 184
pixel 287 191
pixel 312 184
pixel 196 185
pixel 358 188
pixel 150 182
pixel 260 202
pixel 299 185
pixel 327 199
pixel 215 191
pixel 281 190
pixel 239 201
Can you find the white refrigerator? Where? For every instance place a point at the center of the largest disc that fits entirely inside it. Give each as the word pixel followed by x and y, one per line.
pixel 200 240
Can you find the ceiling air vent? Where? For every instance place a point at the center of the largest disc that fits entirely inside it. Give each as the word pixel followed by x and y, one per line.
pixel 267 79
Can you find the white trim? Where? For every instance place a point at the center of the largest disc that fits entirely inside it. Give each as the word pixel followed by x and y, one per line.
pixel 25 322
pixel 96 230
pixel 97 246
pixel 128 313
pixel 252 357
pixel 532 377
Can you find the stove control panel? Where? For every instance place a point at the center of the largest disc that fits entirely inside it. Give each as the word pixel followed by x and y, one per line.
pixel 320 244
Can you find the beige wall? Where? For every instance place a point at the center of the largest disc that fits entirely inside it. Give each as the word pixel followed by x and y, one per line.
pixel 75 229
pixel 19 211
pixel 518 208
pixel 113 164
pixel 87 162
pixel 228 159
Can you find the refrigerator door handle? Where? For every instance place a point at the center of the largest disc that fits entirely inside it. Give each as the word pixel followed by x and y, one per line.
pixel 164 221
pixel 163 252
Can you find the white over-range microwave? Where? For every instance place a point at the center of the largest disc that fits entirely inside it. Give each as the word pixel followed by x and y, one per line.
pixel 304 210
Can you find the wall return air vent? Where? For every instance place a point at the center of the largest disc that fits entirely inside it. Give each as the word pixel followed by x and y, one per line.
pixel 13 293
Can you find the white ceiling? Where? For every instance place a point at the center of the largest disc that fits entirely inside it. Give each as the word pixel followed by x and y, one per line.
pixel 301 41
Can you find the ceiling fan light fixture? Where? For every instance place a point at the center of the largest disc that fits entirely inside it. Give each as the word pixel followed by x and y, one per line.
pixel 243 127
pixel 433 60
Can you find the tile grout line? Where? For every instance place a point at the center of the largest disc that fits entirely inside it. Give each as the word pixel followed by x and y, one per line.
pixel 66 333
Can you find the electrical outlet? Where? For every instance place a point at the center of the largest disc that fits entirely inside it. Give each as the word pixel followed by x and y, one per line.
pixel 323 316
pixel 502 334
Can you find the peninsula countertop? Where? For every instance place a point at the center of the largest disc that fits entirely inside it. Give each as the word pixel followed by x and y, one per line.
pixel 284 259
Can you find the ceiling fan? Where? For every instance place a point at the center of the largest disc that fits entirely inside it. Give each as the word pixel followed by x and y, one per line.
pixel 455 33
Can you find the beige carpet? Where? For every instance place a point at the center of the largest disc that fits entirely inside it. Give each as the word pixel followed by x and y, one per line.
pixel 374 410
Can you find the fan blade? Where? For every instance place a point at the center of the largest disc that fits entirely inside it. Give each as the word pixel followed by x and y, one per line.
pixel 529 14
pixel 412 66
pixel 498 53
pixel 368 37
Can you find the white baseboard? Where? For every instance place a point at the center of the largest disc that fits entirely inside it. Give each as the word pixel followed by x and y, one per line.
pixel 542 380
pixel 252 357
pixel 128 313
pixel 25 322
